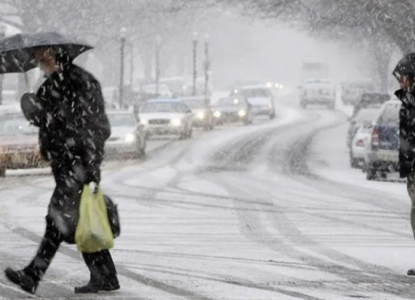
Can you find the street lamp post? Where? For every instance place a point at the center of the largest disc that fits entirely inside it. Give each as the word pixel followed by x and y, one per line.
pixel 157 75
pixel 131 67
pixel 2 35
pixel 207 69
pixel 123 33
pixel 195 43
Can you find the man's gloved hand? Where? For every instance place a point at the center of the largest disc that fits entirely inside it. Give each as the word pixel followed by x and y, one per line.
pixel 93 186
pixel 32 109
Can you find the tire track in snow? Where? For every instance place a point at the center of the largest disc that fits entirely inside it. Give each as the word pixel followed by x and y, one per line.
pixel 251 226
pixel 258 231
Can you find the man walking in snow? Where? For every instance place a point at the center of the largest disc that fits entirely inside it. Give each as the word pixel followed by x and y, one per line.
pixel 73 128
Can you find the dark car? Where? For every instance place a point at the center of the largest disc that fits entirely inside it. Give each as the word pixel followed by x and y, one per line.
pixel 382 156
pixel 352 91
pixel 260 98
pixel 233 109
pixel 202 111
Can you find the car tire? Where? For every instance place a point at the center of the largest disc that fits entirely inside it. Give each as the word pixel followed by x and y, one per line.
pixel 272 117
pixel 371 174
pixel 143 146
pixel 354 163
pixel 2 171
pixel 189 133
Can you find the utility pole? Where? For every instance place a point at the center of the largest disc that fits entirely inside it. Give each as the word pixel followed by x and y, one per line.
pixel 157 75
pixel 123 33
pixel 2 36
pixel 207 69
pixel 195 43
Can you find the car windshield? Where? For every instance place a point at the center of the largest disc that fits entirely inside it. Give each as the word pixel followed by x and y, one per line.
pixel 390 116
pixel 312 81
pixel 231 102
pixel 152 89
pixel 197 103
pixel 374 99
pixel 257 93
pixel 121 120
pixel 160 107
pixel 362 86
pixel 14 126
pixel 366 115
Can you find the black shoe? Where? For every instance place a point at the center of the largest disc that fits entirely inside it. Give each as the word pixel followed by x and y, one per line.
pixel 26 282
pixel 93 288
pixel 411 272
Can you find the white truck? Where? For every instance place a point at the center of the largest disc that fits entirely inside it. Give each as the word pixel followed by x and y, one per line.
pixel 315 88
pixel 313 70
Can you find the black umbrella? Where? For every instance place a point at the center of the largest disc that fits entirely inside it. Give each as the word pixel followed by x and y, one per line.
pixel 17 53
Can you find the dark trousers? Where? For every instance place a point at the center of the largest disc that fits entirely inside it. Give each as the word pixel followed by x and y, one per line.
pixel 100 264
pixel 61 224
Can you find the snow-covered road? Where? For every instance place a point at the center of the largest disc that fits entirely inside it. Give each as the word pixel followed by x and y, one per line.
pixel 270 211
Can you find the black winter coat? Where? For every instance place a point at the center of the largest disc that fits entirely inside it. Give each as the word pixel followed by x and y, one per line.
pixel 406 132
pixel 73 122
pixel 73 128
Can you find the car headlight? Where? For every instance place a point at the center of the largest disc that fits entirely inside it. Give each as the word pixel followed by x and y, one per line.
pixel 242 113
pixel 144 121
pixel 176 122
pixel 201 115
pixel 217 114
pixel 129 138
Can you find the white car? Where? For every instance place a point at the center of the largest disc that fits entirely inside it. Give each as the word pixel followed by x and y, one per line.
pixel 127 135
pixel 167 117
pixel 359 133
pixel 318 91
pixel 360 145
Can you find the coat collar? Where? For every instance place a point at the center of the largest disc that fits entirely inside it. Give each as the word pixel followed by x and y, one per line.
pixel 400 94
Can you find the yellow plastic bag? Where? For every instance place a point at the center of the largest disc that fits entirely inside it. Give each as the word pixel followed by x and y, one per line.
pixel 93 232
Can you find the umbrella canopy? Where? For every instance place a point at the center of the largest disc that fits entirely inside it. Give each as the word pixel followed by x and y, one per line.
pixel 17 53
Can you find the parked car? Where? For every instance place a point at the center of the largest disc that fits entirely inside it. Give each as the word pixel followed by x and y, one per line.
pixel 382 155
pixel 318 91
pixel 360 144
pixel 19 146
pixel 167 117
pixel 128 137
pixel 233 109
pixel 368 114
pixel 202 111
pixel 260 99
pixel 352 91
pixel 371 100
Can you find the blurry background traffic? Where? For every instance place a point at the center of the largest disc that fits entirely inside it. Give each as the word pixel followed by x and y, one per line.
pixel 169 67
